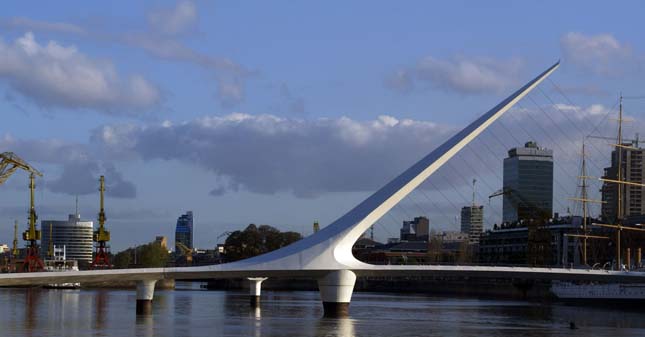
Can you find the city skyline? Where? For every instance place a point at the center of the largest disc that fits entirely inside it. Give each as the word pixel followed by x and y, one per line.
pixel 187 116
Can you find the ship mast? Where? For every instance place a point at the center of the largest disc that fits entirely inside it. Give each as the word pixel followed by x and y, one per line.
pixel 583 195
pixel 619 177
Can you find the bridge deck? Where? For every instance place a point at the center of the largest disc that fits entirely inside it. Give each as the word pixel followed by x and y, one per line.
pixel 214 272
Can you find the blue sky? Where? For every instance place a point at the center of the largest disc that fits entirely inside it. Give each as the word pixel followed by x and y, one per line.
pixel 284 113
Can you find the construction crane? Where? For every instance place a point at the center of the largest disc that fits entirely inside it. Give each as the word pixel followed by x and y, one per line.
pixel 539 239
pixel 101 236
pixel 519 201
pixel 185 251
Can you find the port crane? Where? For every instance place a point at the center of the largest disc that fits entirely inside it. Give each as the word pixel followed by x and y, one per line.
pixel 101 236
pixel 185 251
pixel 10 163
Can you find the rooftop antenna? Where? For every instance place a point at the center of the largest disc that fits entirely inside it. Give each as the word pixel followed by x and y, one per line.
pixel 77 215
pixel 474 181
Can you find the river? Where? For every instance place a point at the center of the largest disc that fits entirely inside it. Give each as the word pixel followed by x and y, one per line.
pixel 190 311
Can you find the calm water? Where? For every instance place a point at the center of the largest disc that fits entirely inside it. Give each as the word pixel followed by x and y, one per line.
pixel 194 312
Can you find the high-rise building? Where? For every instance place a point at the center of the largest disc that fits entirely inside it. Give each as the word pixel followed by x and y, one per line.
pixel 75 234
pixel 528 183
pixel 633 196
pixel 184 230
pixel 472 222
pixel 415 230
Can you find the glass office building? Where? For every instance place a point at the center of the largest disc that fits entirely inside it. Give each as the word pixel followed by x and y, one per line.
pixel 184 230
pixel 528 183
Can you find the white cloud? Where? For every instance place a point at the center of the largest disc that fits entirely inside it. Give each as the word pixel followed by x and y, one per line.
pixel 268 154
pixel 172 21
pixel 162 38
pixel 602 54
pixel 53 75
pixel 460 74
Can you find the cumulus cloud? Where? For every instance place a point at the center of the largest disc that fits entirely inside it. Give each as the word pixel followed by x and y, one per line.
pixel 267 154
pixel 460 74
pixel 602 54
pixel 53 75
pixel 80 171
pixel 174 20
pixel 163 37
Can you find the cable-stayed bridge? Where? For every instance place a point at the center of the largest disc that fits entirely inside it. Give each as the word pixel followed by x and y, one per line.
pixel 327 255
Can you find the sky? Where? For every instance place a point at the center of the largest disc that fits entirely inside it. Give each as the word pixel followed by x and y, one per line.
pixel 285 112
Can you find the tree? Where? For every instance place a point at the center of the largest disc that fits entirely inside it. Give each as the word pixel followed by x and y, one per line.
pixel 255 240
pixel 122 259
pixel 435 247
pixel 151 255
pixel 464 254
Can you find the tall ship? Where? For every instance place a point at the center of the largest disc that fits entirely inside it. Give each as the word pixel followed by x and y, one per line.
pixel 615 182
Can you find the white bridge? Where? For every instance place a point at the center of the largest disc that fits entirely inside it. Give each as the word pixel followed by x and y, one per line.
pixel 327 255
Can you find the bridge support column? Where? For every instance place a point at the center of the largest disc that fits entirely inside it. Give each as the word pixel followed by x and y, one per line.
pixel 336 290
pixel 255 289
pixel 145 293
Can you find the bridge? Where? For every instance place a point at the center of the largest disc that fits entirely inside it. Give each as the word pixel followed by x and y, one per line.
pixel 326 256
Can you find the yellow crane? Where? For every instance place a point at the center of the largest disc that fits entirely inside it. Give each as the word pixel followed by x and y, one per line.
pixel 101 236
pixel 32 260
pixel 10 163
pixel 187 252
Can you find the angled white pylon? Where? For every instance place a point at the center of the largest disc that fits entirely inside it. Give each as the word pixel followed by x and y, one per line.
pixel 331 247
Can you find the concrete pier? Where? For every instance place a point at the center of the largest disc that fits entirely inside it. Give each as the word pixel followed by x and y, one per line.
pixel 255 290
pixel 336 290
pixel 145 294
